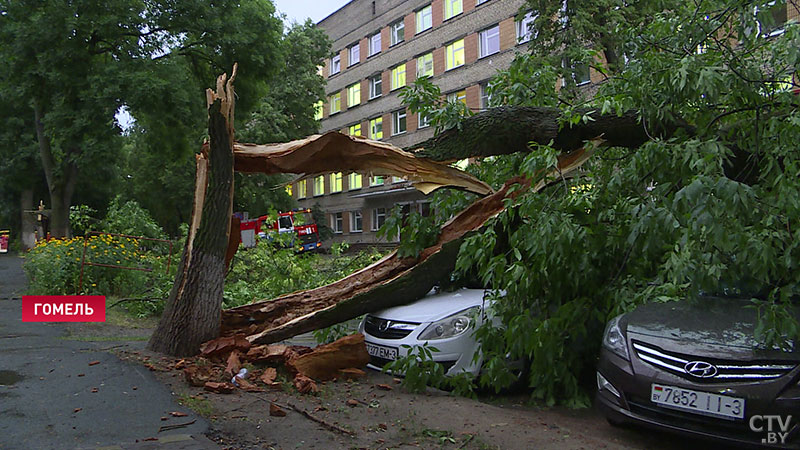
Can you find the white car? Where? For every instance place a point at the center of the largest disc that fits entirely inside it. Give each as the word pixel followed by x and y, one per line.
pixel 445 320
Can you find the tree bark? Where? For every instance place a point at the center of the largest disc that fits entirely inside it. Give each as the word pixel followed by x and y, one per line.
pixel 511 129
pixel 192 313
pixel 389 282
pixel 60 188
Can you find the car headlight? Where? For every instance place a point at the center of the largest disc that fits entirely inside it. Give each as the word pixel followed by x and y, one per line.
pixel 451 326
pixel 614 339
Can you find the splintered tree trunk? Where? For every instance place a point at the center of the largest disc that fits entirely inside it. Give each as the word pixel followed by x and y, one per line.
pixel 192 314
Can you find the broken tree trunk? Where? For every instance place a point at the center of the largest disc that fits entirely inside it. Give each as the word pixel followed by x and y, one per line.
pixel 192 313
pixel 389 282
pixel 511 129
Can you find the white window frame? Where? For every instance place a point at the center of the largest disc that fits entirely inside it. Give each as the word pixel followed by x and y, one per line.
pixel 336 65
pixel 350 93
pixel 375 216
pixel 422 63
pixel 399 118
pixel 351 130
pixel 338 103
pixel 454 97
pixel 354 50
pixel 396 75
pixel 525 29
pixel 337 222
pixel 321 191
pixel 372 133
pixel 374 83
pixel 356 218
pixel 373 42
pixel 302 189
pixel 423 121
pixel 397 32
pixel 336 178
pixel 424 17
pixel 455 49
pixel 487 37
pixel 452 4
pixel 485 97
pixel 351 177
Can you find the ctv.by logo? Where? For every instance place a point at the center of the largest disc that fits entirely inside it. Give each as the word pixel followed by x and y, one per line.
pixel 777 428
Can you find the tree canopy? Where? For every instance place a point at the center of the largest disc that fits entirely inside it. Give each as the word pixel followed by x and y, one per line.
pixel 69 67
pixel 697 185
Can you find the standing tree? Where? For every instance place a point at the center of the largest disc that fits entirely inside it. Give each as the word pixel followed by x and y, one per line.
pixel 192 313
pixel 73 65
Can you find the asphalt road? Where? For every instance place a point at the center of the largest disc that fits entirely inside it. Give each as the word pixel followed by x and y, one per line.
pixel 46 384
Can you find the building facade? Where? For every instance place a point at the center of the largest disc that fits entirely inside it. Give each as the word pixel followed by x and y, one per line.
pixel 380 46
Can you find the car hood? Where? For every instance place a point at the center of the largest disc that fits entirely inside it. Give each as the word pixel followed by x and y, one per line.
pixel 706 322
pixel 433 306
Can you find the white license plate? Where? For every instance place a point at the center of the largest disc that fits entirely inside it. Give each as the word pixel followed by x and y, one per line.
pixel 698 402
pixel 381 351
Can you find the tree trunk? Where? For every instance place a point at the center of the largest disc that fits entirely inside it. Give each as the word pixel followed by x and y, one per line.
pixel 389 282
pixel 61 187
pixel 511 129
pixel 192 314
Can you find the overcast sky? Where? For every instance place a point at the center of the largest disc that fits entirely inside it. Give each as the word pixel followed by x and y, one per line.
pixel 299 10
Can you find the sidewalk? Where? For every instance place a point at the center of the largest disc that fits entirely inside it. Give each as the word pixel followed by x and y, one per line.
pixel 47 383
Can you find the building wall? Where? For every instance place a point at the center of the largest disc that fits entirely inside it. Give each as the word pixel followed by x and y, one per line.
pixel 353 25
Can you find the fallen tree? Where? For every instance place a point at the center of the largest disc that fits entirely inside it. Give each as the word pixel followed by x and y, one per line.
pixel 389 282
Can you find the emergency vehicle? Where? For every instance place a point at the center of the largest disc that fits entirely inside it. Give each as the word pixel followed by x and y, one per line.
pixel 299 222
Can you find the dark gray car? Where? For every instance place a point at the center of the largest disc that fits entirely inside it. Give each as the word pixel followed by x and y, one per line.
pixel 696 368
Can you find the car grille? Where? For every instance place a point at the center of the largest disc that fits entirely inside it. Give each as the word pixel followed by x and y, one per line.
pixel 388 329
pixel 726 371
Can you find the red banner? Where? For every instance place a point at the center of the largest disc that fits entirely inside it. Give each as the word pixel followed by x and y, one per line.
pixel 63 308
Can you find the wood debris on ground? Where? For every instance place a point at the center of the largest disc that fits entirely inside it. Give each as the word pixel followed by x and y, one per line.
pixel 222 361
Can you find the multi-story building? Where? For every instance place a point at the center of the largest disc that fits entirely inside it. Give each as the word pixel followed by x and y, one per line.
pixel 379 47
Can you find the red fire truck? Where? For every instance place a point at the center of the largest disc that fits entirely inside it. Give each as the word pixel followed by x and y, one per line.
pixel 299 222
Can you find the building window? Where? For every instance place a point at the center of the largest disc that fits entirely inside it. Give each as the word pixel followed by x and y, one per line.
pixel 376 128
pixel 353 94
pixel 486 98
pixel 425 65
pixel 478 2
pixel 356 222
pixel 336 182
pixel 318 110
pixel 337 222
pixel 354 181
pixel 452 8
pixel 378 218
pixel 375 86
pixel 455 55
pixel 580 73
pixel 397 32
pixel 336 65
pixel 355 54
pixel 377 180
pixel 399 122
pixel 423 121
pixel 424 19
pixel 301 189
pixel 397 179
pixel 375 44
pixel 354 130
pixel 336 102
pixel 319 185
pixel 772 19
pixel 459 96
pixel 489 41
pixel 525 29
pixel 399 76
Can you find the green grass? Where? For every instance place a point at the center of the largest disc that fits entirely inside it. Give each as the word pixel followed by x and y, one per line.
pixel 201 406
